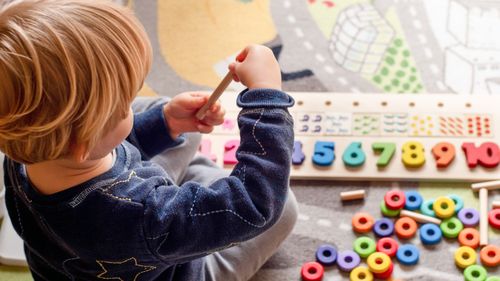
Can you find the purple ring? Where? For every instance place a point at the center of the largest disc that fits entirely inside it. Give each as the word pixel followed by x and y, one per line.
pixel 348 260
pixel 383 227
pixel 469 217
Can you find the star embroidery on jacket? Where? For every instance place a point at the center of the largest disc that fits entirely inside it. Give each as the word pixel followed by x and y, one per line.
pixel 122 270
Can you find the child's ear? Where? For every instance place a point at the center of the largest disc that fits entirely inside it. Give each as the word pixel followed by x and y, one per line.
pixel 79 152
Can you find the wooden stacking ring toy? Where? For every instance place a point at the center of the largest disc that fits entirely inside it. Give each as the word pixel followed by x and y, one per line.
pixel 430 234
pixel 451 227
pixel 469 237
pixel 444 207
pixel 469 217
pixel 494 218
pixel 383 227
pixel 490 255
pixel 326 255
pixel 362 222
pixel 361 273
pixel 364 246
pixel 427 208
pixel 312 271
pixel 385 275
pixel 413 200
pixel 378 262
pixel 388 246
pixel 395 199
pixel 348 260
pixel 405 227
pixel 465 256
pixel 459 202
pixel 408 254
pixel 475 273
pixel 388 212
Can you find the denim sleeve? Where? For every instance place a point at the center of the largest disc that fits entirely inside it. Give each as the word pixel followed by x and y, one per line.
pixel 150 133
pixel 182 223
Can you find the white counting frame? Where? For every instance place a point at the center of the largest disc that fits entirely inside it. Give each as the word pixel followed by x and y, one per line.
pixel 381 118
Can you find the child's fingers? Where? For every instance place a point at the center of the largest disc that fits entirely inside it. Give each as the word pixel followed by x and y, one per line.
pixel 232 68
pixel 205 128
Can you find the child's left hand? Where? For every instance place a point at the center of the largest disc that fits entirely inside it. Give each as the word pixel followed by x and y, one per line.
pixel 181 110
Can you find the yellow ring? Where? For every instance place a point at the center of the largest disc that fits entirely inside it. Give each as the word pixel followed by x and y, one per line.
pixel 444 207
pixel 361 273
pixel 379 262
pixel 465 256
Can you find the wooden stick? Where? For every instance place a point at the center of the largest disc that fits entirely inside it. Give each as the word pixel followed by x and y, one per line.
pixel 419 217
pixel 496 205
pixel 215 95
pixel 352 195
pixel 490 185
pixel 483 216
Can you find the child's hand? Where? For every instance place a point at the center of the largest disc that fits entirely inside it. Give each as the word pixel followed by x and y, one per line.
pixel 181 110
pixel 256 67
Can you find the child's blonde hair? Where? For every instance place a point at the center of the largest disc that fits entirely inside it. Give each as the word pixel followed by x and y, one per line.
pixel 69 70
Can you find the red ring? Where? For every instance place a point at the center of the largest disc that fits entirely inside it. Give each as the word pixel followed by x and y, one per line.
pixel 362 222
pixel 494 218
pixel 395 199
pixel 490 256
pixel 388 246
pixel 405 227
pixel 385 275
pixel 312 271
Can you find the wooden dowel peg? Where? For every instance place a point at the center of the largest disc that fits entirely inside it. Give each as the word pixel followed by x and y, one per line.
pixel 490 185
pixel 496 205
pixel 419 217
pixel 215 95
pixel 352 195
pixel 483 216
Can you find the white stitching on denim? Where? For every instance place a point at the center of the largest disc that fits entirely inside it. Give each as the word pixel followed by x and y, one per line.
pixel 130 176
pixel 66 269
pixel 261 111
pixel 147 268
pixel 18 215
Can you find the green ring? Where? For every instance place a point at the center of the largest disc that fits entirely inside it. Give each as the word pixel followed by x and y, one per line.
pixel 388 212
pixel 451 227
pixel 364 246
pixel 426 208
pixel 475 273
pixel 493 278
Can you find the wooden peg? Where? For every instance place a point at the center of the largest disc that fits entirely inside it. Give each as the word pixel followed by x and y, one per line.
pixel 483 217
pixel 490 185
pixel 496 205
pixel 215 95
pixel 419 217
pixel 352 195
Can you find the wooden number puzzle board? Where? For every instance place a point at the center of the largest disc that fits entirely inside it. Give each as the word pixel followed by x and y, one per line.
pixel 401 120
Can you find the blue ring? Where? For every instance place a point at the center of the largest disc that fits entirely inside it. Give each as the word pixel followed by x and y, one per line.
pixel 326 255
pixel 413 200
pixel 383 227
pixel 408 254
pixel 430 234
pixel 426 208
pixel 459 202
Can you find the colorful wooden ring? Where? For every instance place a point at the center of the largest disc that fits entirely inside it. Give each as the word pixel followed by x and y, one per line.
pixel 378 262
pixel 430 234
pixel 383 227
pixel 493 278
pixel 388 246
pixel 465 256
pixel 388 212
pixel 459 202
pixel 348 260
pixel 312 271
pixel 444 207
pixel 451 227
pixel 469 217
pixel 385 275
pixel 326 255
pixel 395 199
pixel 469 237
pixel 405 227
pixel 426 208
pixel 408 254
pixel 475 273
pixel 364 246
pixel 362 222
pixel 361 273
pixel 413 200
pixel 490 255
pixel 494 218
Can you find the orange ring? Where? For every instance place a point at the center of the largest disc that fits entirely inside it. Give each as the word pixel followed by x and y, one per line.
pixel 405 227
pixel 362 222
pixel 469 237
pixel 490 256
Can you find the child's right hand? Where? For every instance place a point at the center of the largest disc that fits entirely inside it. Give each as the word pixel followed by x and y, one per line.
pixel 256 67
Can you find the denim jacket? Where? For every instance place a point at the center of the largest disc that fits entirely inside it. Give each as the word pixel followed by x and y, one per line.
pixel 134 223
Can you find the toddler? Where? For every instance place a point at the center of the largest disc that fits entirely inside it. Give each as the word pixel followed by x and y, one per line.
pixel 102 187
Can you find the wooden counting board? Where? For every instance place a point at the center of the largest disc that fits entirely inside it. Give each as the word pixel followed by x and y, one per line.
pixel 382 136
